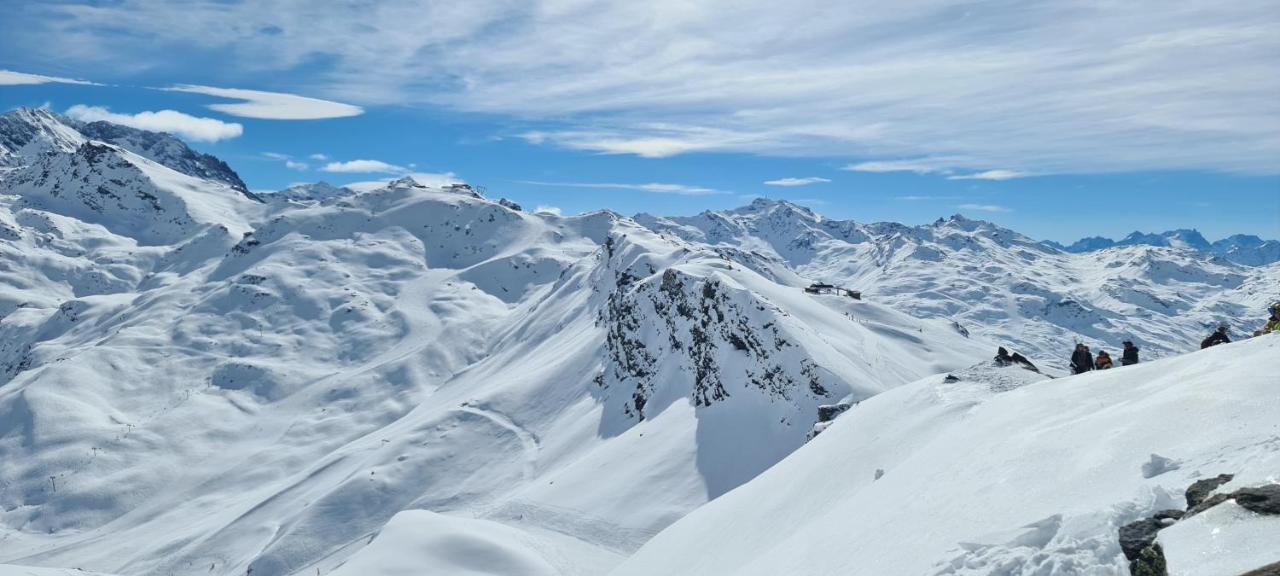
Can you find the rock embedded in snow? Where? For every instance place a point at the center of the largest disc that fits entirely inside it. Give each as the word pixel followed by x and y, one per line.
pixel 1261 500
pixel 1201 489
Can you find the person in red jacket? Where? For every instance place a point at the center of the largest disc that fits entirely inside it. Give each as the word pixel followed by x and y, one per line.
pixel 1103 362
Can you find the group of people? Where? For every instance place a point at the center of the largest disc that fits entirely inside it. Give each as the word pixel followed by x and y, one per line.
pixel 1083 360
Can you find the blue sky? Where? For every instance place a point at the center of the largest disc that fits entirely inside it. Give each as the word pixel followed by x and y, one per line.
pixel 1061 121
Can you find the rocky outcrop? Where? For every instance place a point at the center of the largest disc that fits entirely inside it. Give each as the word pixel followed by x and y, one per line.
pixel 1138 539
pixel 1260 500
pixel 1138 542
pixel 1201 489
pixel 827 413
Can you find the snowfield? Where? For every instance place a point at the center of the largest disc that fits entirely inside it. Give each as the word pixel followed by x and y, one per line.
pixel 410 379
pixel 1033 480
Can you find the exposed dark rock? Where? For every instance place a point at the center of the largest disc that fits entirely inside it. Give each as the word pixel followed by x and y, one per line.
pixel 1138 536
pixel 1201 489
pixel 509 204
pixel 828 412
pixel 1150 562
pixel 1262 500
pixel 951 379
pixel 1268 570
pixel 1208 503
pixel 1004 358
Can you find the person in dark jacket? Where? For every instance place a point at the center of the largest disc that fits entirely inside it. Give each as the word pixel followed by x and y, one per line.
pixel 1103 361
pixel 1081 359
pixel 1219 336
pixel 1130 355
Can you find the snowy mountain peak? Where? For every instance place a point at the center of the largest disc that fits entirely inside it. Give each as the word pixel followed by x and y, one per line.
pixel 315 192
pixel 26 134
pixel 1240 248
pixel 405 182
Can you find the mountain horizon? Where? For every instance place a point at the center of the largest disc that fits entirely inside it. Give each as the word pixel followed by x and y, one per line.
pixel 556 289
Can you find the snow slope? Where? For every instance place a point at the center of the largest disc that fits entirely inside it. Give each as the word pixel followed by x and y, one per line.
pixel 1033 480
pixel 193 381
pixel 998 283
pixel 247 385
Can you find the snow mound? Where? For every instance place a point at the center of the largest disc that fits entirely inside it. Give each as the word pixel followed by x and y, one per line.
pixel 419 542
pixel 1033 480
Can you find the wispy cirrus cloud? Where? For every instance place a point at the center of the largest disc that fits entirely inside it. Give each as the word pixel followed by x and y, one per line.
pixel 653 187
pixel 985 207
pixel 288 161
pixel 1055 87
pixel 916 165
pixel 924 198
pixel 12 78
pixel 171 121
pixel 364 167
pixel 796 181
pixel 271 105
pixel 990 175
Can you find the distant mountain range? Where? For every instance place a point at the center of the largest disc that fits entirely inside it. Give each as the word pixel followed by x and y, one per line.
pixel 196 379
pixel 1240 248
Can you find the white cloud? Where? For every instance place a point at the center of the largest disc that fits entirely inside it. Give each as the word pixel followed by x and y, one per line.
pixel 920 198
pixel 796 181
pixel 171 121
pixel 990 175
pixel 542 208
pixel 11 78
pixel 271 105
pixel 654 187
pixel 432 179
pixel 918 166
pixel 984 207
pixel 363 166
pixel 318 157
pixel 1049 87
pixel 288 160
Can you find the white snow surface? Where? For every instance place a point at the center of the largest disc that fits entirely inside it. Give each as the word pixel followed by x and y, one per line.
pixel 1034 480
pixel 13 570
pixel 192 381
pixel 1000 284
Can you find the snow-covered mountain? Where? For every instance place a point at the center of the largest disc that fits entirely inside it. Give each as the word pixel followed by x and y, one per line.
pixel 991 472
pixel 197 380
pixel 1240 248
pixel 998 283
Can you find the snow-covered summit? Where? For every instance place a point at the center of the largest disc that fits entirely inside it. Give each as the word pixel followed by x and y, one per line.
pixel 996 281
pixel 1240 248
pixel 26 133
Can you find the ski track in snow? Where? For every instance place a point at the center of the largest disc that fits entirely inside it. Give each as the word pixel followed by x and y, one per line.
pixel 528 441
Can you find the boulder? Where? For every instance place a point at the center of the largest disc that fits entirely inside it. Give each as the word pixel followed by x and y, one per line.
pixel 828 412
pixel 1262 500
pixel 1201 489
